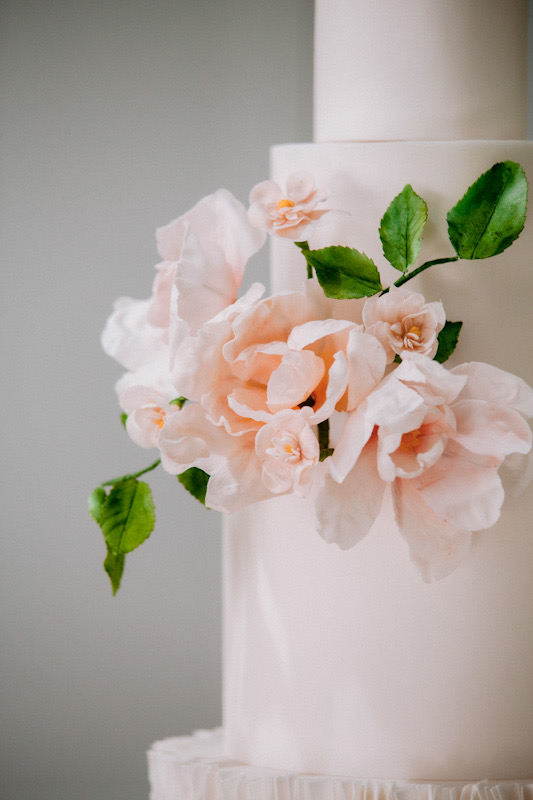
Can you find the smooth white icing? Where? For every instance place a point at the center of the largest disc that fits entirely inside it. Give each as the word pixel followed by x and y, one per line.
pixel 415 69
pixel 345 662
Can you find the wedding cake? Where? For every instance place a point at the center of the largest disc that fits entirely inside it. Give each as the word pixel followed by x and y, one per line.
pixel 373 665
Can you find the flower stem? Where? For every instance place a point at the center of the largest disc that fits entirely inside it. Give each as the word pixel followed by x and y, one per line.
pixel 133 475
pixel 305 246
pixel 323 434
pixel 420 269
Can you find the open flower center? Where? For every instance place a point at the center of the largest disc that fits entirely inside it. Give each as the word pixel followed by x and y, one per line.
pixel 286 203
pixel 159 417
pixel 410 441
pixel 285 448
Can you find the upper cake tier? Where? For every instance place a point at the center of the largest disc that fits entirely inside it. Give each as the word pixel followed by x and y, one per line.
pixel 455 70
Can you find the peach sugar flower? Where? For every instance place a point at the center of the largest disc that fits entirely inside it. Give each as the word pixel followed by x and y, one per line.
pixel 289 214
pixel 205 252
pixel 260 374
pixel 404 322
pixel 252 364
pixel 437 437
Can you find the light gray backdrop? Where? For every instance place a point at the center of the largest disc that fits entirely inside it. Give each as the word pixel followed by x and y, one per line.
pixel 117 115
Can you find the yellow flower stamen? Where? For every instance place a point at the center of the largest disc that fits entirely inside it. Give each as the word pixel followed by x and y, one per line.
pixel 285 204
pixel 160 418
pixel 415 330
pixel 409 441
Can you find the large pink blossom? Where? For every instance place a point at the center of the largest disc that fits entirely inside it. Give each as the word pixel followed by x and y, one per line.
pixel 437 438
pixel 290 214
pixel 188 439
pixel 205 252
pixel 274 355
pixel 263 372
pixel 404 322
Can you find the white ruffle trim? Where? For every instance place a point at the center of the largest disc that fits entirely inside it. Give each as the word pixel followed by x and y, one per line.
pixel 194 768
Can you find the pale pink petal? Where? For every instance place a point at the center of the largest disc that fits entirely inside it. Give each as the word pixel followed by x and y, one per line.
pixel 356 433
pixel 381 331
pixel 129 338
pixel 268 320
pixel 435 546
pixel 335 389
pixel 257 362
pixel 346 511
pixel 159 308
pixel 310 332
pixel 238 481
pixel 300 185
pixel 266 193
pixel 366 367
pixel 462 489
pixel 438 385
pixel 294 380
pixel 188 439
pixel 491 429
pixel 249 402
pixel 219 219
pixel 485 382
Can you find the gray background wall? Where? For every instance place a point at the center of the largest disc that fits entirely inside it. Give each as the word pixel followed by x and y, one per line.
pixel 117 116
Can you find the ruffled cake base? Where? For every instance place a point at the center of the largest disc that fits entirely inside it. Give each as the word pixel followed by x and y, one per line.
pixel 195 768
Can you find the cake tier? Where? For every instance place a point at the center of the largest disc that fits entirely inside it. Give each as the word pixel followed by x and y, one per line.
pixel 345 662
pixel 420 70
pixel 195 768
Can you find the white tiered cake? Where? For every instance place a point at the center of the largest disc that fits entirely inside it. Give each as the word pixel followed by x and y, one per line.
pixel 344 663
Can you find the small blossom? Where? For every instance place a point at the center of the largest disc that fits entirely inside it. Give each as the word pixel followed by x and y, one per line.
pixel 147 412
pixel 290 214
pixel 288 449
pixel 403 322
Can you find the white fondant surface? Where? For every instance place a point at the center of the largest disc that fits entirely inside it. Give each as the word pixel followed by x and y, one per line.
pixel 346 663
pixel 415 69
pixel 195 768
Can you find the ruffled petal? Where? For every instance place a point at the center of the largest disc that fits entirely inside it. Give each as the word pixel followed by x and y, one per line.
pixel 462 489
pixel 435 546
pixel 491 429
pixel 346 511
pixel 485 382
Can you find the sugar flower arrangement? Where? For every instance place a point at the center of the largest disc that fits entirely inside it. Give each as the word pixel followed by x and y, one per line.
pixel 249 397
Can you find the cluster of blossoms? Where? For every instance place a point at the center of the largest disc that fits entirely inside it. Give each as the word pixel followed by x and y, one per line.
pixel 280 400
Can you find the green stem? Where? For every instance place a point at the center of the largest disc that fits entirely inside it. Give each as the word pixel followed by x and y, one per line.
pixel 305 246
pixel 133 475
pixel 420 269
pixel 323 434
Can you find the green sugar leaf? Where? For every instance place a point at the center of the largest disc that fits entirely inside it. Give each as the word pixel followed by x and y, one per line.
pixel 96 503
pixel 128 516
pixel 401 229
pixel 447 340
pixel 114 566
pixel 344 273
pixel 195 481
pixel 491 214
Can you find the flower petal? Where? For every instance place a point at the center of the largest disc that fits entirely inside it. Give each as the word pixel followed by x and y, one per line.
pixel 346 511
pixel 462 489
pixel 435 546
